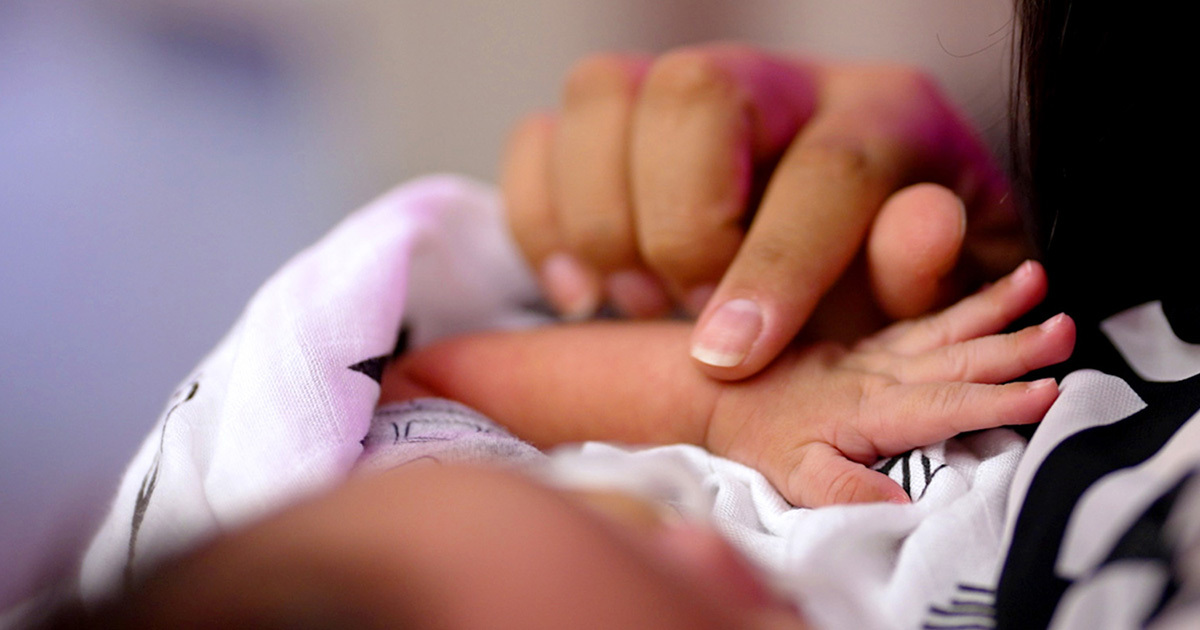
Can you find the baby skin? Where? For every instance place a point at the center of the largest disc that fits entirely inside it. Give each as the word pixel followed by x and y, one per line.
pixel 812 422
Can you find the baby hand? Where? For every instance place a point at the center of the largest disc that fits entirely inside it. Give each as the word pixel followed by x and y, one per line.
pixel 820 415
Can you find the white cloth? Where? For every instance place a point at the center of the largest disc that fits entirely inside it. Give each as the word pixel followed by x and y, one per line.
pixel 1102 518
pixel 439 431
pixel 275 411
pixel 282 407
pixel 856 566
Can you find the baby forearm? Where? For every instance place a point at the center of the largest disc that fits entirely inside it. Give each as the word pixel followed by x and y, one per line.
pixel 616 381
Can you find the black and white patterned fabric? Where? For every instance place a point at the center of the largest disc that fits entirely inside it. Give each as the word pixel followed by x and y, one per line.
pixel 1103 533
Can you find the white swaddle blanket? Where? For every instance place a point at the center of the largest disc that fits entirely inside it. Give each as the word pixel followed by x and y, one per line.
pixel 281 408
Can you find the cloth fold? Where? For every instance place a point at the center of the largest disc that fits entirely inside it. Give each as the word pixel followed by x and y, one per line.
pixel 280 407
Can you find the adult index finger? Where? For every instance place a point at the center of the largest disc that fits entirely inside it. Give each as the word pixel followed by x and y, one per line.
pixel 876 131
pixel 706 118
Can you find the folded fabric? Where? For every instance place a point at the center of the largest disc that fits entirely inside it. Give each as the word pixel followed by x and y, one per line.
pixel 280 407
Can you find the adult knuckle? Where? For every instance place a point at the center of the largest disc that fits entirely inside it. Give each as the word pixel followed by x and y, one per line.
pixel 532 126
pixel 598 77
pixel 687 77
pixel 601 239
pixel 774 253
pixel 674 253
pixel 835 160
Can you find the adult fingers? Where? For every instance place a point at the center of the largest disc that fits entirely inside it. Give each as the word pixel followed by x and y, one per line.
pixel 706 118
pixel 903 417
pixel 995 358
pixel 909 267
pixel 590 173
pixel 525 185
pixel 877 130
pixel 823 476
pixel 913 248
pixel 525 181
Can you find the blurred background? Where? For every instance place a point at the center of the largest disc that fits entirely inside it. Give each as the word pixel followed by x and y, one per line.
pixel 160 158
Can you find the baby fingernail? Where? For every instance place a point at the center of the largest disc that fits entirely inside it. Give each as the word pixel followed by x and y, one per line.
pixel 1023 272
pixel 729 334
pixel 1042 384
pixel 573 288
pixel 637 293
pixel 962 216
pixel 1053 322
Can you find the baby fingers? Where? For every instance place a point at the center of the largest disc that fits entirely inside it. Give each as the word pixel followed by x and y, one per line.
pixel 903 417
pixel 992 359
pixel 984 313
pixel 823 476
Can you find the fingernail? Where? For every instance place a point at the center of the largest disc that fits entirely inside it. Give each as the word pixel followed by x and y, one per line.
pixel 637 293
pixel 1024 272
pixel 1042 384
pixel 573 288
pixel 698 298
pixel 962 216
pixel 1053 322
pixel 729 334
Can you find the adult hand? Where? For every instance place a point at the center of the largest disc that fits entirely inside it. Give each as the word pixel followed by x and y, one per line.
pixel 742 185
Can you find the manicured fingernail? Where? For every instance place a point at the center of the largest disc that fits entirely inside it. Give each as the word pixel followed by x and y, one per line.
pixel 698 298
pixel 637 293
pixel 573 288
pixel 1053 322
pixel 729 334
pixel 1042 384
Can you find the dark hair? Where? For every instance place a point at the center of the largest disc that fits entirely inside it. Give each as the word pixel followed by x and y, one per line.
pixel 1099 139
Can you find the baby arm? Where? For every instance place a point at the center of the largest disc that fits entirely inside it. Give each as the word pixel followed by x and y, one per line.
pixel 811 422
pixel 603 380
